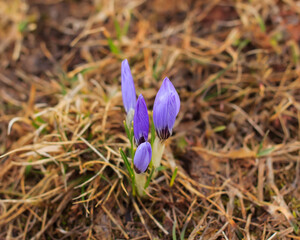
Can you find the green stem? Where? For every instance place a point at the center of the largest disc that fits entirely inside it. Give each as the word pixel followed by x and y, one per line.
pixel 133 188
pixel 132 151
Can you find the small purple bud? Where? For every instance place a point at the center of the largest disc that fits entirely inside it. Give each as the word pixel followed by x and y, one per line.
pixel 165 109
pixel 140 121
pixel 128 90
pixel 142 157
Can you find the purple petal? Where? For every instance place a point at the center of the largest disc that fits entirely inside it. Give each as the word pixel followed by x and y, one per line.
pixel 165 109
pixel 142 157
pixel 160 113
pixel 128 90
pixel 166 89
pixel 171 111
pixel 141 121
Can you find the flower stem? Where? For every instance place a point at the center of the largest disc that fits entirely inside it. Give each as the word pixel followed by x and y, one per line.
pixel 129 118
pixel 158 150
pixel 140 180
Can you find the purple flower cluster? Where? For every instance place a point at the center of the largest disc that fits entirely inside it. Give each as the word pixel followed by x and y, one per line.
pixel 165 109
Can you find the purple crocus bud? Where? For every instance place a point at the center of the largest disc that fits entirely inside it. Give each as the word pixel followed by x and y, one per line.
pixel 165 109
pixel 140 121
pixel 142 157
pixel 128 90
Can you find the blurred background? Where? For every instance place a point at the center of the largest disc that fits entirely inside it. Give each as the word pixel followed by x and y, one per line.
pixel 235 65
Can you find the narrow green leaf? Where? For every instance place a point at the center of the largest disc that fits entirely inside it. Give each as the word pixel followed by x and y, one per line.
pixel 131 133
pixel 295 227
pixel 182 143
pixel 173 177
pixel 161 168
pixel 113 48
pixel 265 152
pixel 22 26
pixel 183 231
pixel 131 139
pixel 155 71
pixel 28 169
pixel 126 129
pixel 149 178
pixel 243 44
pixel 126 27
pixel 39 119
pixel 215 94
pixel 219 128
pixel 151 164
pixel 118 29
pixel 239 234
pixel 261 24
pixel 130 170
pixel 104 178
pixel 261 144
pixel 260 147
pixel 127 164
pixel 295 52
pixel 174 230
pixel 82 192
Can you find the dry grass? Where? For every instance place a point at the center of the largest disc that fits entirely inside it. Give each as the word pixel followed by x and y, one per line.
pixel 237 137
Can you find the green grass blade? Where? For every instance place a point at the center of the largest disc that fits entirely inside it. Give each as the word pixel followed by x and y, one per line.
pixel 174 231
pixel 219 128
pixel 183 232
pixel 173 177
pixel 127 164
pixel 113 48
pixel 118 29
pixel 126 130
pixel 265 152
pixel 261 23
pixel 130 170
pixel 126 28
pixel 131 133
pixel 160 168
pixel 149 178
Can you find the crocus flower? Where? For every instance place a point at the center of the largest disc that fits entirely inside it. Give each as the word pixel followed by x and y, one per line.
pixel 128 90
pixel 142 157
pixel 140 121
pixel 165 109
